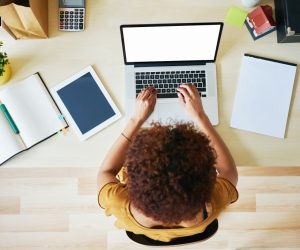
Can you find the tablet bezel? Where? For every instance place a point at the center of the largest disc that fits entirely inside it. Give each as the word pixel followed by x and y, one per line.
pixel 67 114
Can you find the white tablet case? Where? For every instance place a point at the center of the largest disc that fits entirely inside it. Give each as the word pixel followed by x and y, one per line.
pixel 68 110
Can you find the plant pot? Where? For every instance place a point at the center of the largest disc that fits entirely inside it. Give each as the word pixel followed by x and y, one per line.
pixel 6 75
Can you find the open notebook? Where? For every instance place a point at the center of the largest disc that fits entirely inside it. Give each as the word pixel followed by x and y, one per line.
pixel 34 113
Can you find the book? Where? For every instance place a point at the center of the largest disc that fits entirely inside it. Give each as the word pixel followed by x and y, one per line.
pixel 263 96
pixel 260 22
pixel 29 116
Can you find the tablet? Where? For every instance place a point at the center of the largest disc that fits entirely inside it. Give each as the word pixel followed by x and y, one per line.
pixel 85 103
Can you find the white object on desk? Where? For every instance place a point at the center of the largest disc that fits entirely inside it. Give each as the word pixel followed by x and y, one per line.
pixel 85 103
pixel 250 3
pixel 34 113
pixel 263 96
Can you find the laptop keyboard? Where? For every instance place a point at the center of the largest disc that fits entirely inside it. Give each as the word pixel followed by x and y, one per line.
pixel 166 82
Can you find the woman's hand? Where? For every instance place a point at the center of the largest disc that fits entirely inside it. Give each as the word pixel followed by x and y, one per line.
pixel 145 104
pixel 190 99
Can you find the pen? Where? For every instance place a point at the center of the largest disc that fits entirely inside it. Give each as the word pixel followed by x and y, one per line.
pixel 9 119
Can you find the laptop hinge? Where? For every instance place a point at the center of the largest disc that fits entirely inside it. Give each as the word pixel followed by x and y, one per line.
pixel 159 64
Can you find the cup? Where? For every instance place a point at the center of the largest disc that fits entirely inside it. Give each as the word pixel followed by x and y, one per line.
pixel 250 3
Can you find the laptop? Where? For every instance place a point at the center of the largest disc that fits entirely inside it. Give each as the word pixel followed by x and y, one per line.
pixel 165 56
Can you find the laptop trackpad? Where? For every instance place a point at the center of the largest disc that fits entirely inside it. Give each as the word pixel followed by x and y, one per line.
pixel 168 112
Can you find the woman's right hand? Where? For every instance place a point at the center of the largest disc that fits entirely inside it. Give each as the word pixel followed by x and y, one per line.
pixel 190 99
pixel 145 103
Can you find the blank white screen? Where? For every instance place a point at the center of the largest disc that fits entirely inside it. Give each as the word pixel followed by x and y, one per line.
pixel 171 43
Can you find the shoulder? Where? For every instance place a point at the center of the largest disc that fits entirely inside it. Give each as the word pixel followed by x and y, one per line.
pixel 113 194
pixel 224 193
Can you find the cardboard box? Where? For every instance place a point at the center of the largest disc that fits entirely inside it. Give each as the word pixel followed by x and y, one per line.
pixel 25 18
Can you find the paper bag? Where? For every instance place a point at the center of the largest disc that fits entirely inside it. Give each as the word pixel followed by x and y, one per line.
pixel 25 18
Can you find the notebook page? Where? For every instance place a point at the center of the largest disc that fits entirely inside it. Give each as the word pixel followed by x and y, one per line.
pixel 10 143
pixel 32 109
pixel 263 96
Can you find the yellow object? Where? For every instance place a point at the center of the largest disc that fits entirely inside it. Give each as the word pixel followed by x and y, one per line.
pixel 236 16
pixel 6 74
pixel 65 130
pixel 113 197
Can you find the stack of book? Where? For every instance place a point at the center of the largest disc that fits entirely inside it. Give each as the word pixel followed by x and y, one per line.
pixel 260 22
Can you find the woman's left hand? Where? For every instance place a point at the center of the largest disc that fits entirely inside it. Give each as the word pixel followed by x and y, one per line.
pixel 145 104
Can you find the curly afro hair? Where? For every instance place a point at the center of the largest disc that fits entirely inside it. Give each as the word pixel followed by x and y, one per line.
pixel 171 172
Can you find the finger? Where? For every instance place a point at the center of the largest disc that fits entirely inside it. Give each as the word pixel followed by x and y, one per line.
pixel 140 95
pixel 152 91
pixel 153 96
pixel 149 105
pixel 180 97
pixel 145 94
pixel 184 93
pixel 191 88
pixel 152 101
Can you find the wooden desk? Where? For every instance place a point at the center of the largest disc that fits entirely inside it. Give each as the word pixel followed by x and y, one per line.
pixel 64 54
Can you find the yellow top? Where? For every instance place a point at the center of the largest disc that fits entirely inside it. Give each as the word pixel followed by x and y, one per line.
pixel 113 197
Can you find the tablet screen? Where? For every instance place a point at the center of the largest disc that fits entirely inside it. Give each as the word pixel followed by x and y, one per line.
pixel 86 112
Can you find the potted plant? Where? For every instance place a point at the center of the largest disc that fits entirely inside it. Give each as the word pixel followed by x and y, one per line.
pixel 5 70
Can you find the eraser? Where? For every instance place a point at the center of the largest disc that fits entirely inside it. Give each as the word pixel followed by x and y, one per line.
pixel 65 130
pixel 61 117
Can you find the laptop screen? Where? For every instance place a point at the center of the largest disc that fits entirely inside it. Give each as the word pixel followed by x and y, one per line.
pixel 170 42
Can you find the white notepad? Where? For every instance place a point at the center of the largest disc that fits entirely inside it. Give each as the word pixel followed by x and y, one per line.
pixel 263 96
pixel 33 111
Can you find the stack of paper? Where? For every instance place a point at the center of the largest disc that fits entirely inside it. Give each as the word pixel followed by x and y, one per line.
pixel 263 96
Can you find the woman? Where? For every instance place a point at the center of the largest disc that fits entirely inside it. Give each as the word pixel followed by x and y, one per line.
pixel 175 172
